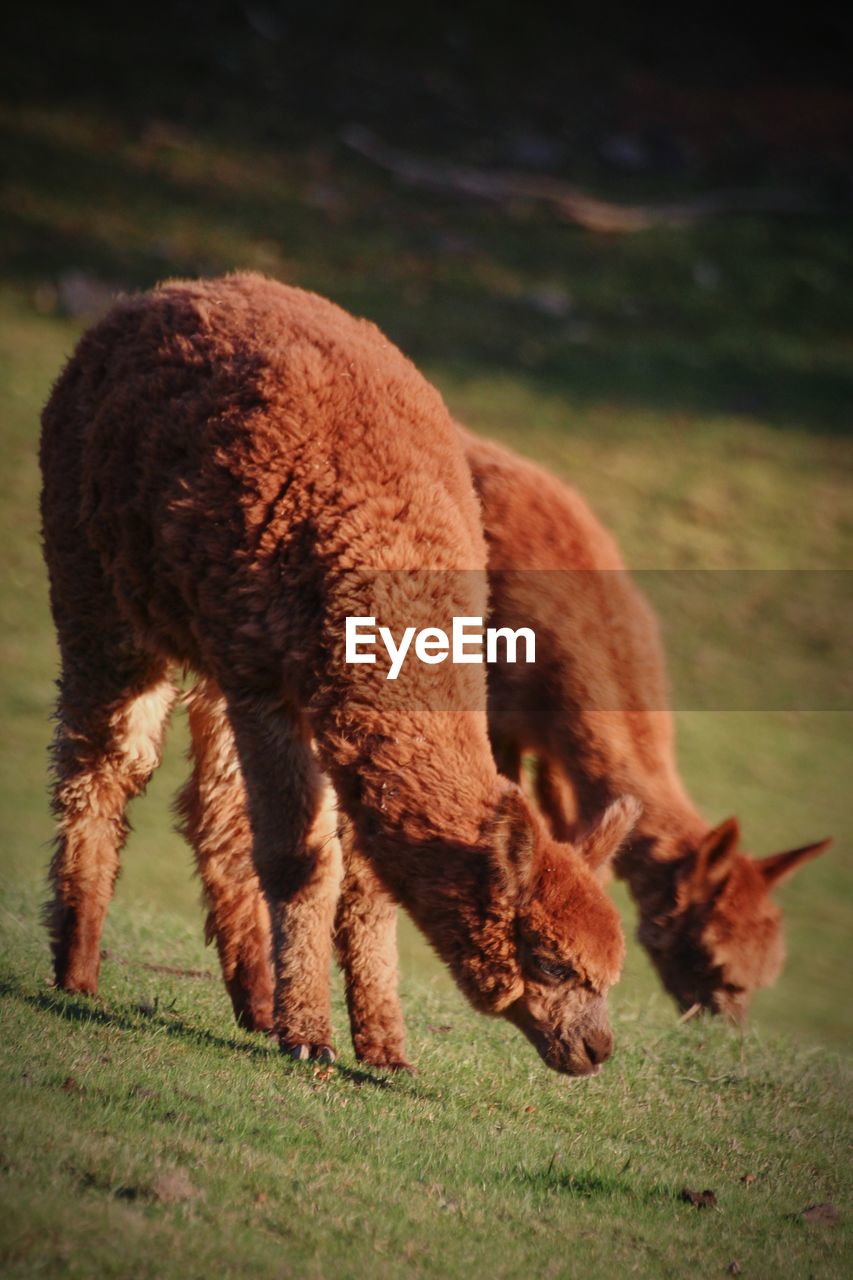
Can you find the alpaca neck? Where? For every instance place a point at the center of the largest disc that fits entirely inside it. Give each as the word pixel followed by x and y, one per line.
pixel 451 891
pixel 423 811
pixel 416 778
pixel 653 860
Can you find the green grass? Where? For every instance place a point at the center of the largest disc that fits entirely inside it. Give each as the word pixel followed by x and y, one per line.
pixel 144 1136
pixel 696 385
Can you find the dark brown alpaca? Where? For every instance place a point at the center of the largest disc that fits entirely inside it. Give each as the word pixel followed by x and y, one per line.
pixel 706 916
pixel 224 464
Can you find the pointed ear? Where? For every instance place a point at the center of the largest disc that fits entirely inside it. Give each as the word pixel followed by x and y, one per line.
pixel 779 866
pixel 514 841
pixel 713 860
pixel 611 830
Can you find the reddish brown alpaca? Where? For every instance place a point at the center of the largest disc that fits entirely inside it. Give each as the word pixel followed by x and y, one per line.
pixel 705 912
pixel 223 462
pixel 594 712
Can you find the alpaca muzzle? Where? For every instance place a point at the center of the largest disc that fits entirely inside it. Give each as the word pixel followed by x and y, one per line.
pixel 577 1050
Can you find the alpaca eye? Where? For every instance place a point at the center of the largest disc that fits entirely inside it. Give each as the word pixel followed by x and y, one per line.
pixel 555 970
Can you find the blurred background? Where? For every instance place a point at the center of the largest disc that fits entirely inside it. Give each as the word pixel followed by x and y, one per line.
pixel 619 242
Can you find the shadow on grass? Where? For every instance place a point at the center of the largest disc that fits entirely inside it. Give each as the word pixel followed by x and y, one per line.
pixel 88 1009
pixel 631 324
pixel 91 1009
pixel 587 1184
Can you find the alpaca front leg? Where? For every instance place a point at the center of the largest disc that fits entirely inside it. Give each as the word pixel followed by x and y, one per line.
pixel 366 942
pixel 303 930
pixel 297 858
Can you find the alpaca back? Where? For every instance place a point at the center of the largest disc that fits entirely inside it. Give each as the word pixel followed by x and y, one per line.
pixel 244 465
pixel 209 438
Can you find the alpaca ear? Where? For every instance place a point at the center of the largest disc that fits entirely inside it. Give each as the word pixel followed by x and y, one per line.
pixel 515 840
pixel 714 860
pixel 610 832
pixel 779 866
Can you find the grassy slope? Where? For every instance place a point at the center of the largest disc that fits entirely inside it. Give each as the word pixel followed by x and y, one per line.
pixel 707 426
pixel 144 1136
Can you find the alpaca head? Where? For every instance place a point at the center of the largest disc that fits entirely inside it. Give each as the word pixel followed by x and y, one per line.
pixel 567 939
pixel 724 939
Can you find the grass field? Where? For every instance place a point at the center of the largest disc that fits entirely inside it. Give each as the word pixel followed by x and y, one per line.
pixel 144 1136
pixel 696 384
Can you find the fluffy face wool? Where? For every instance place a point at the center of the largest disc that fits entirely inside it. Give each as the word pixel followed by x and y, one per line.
pixel 227 465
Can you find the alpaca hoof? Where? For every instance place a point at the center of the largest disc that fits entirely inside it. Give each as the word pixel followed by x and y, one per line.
pixel 310 1053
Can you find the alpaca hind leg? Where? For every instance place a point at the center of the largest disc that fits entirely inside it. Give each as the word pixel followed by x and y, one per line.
pixel 507 754
pixel 215 820
pixel 107 744
pixel 570 810
pixel 366 942
pixel 556 800
pixel 297 858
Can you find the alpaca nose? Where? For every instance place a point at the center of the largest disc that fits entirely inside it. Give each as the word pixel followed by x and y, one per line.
pixel 598 1045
